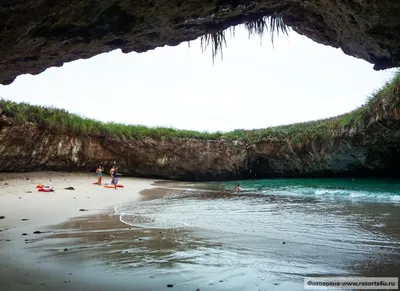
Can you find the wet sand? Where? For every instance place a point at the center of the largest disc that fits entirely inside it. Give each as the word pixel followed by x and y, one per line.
pixel 26 211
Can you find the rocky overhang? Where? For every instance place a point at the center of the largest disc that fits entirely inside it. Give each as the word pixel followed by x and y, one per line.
pixel 36 35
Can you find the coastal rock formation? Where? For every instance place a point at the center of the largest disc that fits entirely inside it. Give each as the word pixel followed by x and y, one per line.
pixel 27 147
pixel 36 35
pixel 368 147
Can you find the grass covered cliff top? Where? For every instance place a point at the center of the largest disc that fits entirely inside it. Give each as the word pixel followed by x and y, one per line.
pixel 59 120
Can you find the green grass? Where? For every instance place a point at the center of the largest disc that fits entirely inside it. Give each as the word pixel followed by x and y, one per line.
pixel 59 120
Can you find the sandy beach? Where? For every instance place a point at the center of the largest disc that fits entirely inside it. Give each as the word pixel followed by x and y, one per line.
pixel 167 235
pixel 28 215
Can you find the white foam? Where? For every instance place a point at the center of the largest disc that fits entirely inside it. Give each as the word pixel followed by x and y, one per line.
pixel 321 192
pixel 339 194
pixel 395 198
pixel 357 195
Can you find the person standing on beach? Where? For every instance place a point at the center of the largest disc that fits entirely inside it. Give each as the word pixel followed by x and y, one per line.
pixel 99 173
pixel 102 168
pixel 114 176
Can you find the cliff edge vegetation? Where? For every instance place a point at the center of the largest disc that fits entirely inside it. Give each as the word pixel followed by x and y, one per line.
pixel 60 120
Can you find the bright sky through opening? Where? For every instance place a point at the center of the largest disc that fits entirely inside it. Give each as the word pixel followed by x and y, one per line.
pixel 254 86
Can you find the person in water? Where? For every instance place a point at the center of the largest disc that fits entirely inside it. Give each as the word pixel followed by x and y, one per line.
pixel 114 176
pixel 238 188
pixel 99 173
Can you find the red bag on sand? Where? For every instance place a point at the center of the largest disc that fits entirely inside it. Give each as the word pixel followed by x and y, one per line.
pixel 46 190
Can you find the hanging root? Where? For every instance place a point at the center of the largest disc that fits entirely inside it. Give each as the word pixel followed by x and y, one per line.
pixel 216 40
pixel 270 24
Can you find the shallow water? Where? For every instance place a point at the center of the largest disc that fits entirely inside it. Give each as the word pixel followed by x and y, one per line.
pixel 206 236
pixel 275 232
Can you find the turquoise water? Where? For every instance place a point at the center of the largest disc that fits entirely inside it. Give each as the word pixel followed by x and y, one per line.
pixel 273 233
pixel 378 190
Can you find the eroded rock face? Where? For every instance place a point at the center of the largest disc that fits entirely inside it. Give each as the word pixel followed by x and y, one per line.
pixel 366 149
pixel 27 147
pixel 35 35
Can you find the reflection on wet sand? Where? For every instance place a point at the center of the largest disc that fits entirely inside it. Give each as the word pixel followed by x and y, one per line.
pixel 153 256
pixel 104 237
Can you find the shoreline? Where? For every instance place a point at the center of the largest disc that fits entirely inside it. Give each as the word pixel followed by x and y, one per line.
pixel 20 199
pixel 32 217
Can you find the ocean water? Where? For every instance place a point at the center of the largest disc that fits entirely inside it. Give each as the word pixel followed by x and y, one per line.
pixel 272 234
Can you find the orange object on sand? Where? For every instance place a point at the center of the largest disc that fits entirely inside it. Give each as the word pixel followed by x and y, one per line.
pixel 40 186
pixel 112 186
